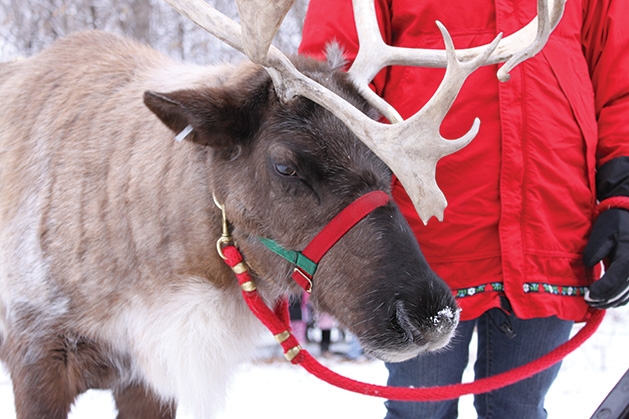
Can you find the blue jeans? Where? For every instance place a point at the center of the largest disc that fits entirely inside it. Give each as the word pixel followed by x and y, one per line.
pixel 497 352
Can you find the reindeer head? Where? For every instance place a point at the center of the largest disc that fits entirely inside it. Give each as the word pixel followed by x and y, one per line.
pixel 401 308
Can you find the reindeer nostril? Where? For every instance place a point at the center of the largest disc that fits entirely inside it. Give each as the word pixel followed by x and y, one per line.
pixel 411 332
pixel 433 331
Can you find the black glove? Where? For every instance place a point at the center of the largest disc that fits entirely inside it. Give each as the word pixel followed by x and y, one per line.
pixel 609 239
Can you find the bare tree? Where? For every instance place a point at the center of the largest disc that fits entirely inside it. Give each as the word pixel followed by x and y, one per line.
pixel 27 26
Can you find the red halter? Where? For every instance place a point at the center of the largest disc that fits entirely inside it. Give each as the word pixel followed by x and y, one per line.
pixel 307 260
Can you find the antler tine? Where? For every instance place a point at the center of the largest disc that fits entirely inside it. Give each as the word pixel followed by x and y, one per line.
pixel 368 61
pixel 547 20
pixel 436 109
pixel 260 22
pixel 366 64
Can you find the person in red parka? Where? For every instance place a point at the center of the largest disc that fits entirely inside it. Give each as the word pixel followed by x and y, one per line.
pixel 537 199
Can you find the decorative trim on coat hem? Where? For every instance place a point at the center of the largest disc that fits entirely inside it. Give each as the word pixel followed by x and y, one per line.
pixel 468 292
pixel 563 290
pixel 528 287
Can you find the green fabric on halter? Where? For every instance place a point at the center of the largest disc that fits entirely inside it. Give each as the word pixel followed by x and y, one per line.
pixel 292 256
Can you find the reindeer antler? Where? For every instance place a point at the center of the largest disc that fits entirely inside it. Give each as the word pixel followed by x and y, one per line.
pixel 413 147
pixel 513 49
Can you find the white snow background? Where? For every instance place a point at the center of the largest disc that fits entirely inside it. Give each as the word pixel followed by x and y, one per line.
pixel 281 390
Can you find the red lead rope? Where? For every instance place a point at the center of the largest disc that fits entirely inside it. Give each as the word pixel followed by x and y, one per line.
pixel 277 321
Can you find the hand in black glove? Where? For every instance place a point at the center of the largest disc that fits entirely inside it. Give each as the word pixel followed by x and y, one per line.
pixel 609 240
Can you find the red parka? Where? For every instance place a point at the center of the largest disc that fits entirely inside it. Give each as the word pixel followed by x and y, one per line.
pixel 521 195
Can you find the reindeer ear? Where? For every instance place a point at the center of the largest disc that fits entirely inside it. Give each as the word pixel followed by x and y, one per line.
pixel 219 117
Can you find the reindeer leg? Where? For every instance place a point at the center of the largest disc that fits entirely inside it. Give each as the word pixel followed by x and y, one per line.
pixel 138 402
pixel 38 369
pixel 39 392
pixel 49 370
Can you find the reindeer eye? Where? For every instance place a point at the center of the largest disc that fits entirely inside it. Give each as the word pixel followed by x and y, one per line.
pixel 286 170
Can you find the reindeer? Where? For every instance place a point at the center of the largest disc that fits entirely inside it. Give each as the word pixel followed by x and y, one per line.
pixel 109 274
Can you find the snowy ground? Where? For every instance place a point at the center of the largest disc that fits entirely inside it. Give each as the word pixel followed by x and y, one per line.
pixel 277 389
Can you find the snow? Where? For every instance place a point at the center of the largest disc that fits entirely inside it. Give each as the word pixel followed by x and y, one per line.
pixel 271 387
